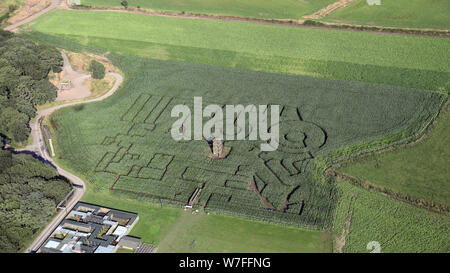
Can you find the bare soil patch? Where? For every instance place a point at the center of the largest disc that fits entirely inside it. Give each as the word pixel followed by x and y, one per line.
pixel 342 239
pixel 28 8
pixel 99 87
pixel 77 71
pixel 329 9
pixel 81 61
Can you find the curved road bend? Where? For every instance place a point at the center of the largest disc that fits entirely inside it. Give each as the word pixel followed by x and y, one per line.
pixel 38 147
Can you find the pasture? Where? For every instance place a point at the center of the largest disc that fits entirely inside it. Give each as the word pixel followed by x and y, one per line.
pixel 175 230
pixel 220 234
pixel 342 55
pixel 396 13
pixel 279 9
pixel 420 171
pixel 363 216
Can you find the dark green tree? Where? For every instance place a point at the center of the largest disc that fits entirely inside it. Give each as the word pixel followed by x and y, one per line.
pixel 24 83
pixel 29 193
pixel 97 69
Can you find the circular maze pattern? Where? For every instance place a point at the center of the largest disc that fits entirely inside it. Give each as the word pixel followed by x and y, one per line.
pixel 298 136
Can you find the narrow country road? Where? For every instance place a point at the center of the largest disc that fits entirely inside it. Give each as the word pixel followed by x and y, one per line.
pixel 38 147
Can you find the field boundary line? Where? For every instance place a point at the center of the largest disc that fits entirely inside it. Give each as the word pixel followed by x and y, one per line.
pixel 280 22
pixel 332 171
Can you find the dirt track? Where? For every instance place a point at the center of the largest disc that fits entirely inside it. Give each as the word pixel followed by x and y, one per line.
pixel 53 5
pixel 28 8
pixel 329 9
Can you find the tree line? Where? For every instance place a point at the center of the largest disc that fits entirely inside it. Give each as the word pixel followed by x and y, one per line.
pixel 29 189
pixel 24 82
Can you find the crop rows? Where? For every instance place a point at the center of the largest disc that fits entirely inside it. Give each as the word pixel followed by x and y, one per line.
pixel 135 154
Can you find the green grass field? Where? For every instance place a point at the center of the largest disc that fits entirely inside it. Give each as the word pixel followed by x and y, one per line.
pixel 397 13
pixel 343 55
pixel 397 226
pixel 420 171
pixel 218 233
pixel 174 230
pixel 280 9
pixel 154 221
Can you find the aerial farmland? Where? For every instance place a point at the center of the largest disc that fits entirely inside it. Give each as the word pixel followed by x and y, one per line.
pixel 359 153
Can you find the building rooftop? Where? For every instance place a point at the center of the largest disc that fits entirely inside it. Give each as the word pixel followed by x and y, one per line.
pixel 94 229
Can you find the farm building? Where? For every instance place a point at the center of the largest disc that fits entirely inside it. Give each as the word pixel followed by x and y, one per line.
pixel 91 229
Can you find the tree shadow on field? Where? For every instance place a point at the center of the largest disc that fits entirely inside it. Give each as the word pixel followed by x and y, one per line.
pixel 33 154
pixel 79 107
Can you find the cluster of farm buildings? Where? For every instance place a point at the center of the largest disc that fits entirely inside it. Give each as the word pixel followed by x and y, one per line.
pixel 89 228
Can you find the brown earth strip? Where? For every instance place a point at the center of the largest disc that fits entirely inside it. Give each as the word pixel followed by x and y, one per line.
pixel 28 8
pixel 329 9
pixel 342 240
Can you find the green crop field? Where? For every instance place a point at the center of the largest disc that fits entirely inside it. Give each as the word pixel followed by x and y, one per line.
pixel 124 143
pixel 281 9
pixel 397 226
pixel 400 60
pixel 173 230
pixel 397 13
pixel 420 171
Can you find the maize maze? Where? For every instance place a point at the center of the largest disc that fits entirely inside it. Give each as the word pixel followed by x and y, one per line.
pixel 133 152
